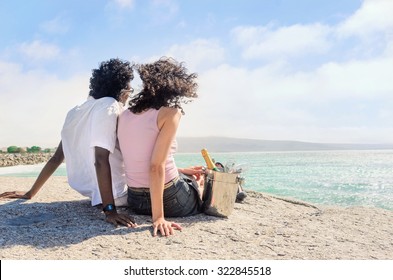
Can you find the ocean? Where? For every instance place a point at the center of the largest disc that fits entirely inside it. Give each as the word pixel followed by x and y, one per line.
pixel 343 178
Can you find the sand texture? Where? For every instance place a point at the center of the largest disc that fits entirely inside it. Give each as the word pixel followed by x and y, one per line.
pixel 60 224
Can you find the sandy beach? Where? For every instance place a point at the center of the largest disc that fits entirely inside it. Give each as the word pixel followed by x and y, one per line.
pixel 60 224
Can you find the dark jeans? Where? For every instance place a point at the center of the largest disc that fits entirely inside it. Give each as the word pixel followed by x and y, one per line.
pixel 180 200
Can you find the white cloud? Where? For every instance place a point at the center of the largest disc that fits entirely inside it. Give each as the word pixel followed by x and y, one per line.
pixel 372 23
pixel 266 42
pixel 118 10
pixel 182 24
pixel 345 96
pixel 38 50
pixel 124 3
pixel 164 10
pixel 199 54
pixel 342 98
pixel 373 16
pixel 356 79
pixel 169 4
pixel 58 25
pixel 269 102
pixel 34 105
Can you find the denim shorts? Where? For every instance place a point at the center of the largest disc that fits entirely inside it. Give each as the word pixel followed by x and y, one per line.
pixel 180 200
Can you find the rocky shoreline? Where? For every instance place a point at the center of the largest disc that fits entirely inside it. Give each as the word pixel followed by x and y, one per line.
pixel 23 158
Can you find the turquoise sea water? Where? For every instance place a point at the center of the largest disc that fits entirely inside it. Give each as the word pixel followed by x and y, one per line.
pixel 342 178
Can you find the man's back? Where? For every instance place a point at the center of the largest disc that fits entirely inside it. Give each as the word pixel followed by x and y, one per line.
pixel 92 124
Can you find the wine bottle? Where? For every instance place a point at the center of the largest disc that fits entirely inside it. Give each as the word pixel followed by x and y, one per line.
pixel 209 162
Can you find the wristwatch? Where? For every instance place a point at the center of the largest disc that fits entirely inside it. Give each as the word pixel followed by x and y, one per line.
pixel 109 208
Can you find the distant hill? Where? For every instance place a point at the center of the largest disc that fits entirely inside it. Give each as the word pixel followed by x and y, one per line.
pixel 226 144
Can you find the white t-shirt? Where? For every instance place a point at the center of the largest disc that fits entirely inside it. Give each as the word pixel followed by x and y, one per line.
pixel 92 124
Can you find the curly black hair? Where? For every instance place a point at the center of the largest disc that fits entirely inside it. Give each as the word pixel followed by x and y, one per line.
pixel 165 83
pixel 110 78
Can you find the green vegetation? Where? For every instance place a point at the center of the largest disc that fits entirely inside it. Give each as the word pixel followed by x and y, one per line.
pixel 13 149
pixel 33 149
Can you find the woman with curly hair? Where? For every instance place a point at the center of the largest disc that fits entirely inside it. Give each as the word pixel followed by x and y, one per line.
pixel 146 135
pixel 89 143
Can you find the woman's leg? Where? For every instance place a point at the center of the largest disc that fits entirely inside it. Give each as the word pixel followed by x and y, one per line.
pixel 180 200
pixel 139 201
pixel 183 198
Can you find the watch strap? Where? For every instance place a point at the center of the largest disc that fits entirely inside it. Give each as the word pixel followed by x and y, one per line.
pixel 109 208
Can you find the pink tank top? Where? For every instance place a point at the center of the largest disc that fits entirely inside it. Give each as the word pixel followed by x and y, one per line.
pixel 137 135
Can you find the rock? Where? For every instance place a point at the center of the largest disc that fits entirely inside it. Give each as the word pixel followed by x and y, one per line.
pixel 23 159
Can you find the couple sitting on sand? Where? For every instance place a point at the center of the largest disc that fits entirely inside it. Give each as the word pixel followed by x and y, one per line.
pixel 95 132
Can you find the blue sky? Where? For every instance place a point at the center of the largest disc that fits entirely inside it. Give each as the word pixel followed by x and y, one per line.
pixel 306 70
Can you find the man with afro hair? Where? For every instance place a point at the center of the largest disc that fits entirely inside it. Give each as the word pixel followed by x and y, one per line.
pixel 89 144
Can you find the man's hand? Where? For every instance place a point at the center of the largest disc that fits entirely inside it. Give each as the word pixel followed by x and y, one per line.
pixel 15 195
pixel 120 219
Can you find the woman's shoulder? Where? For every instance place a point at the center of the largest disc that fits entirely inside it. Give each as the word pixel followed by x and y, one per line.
pixel 168 115
pixel 169 112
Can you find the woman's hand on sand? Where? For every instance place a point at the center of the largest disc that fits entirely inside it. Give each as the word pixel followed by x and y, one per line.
pixel 120 219
pixel 164 227
pixel 15 195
